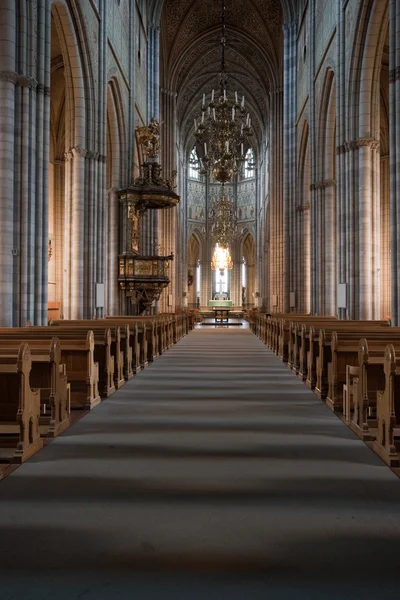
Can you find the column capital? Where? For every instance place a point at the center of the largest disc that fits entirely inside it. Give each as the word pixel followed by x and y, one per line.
pixel 10 76
pixel 84 153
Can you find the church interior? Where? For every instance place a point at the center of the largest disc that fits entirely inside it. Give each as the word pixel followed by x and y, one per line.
pixel 199 299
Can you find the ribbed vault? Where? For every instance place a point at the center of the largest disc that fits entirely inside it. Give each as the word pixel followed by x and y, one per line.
pixel 191 55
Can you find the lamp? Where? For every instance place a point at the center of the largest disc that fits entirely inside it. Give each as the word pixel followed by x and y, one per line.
pixel 223 128
pixel 221 259
pixel 223 221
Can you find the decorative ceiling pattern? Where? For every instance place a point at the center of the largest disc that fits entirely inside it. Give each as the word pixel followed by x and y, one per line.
pixel 191 48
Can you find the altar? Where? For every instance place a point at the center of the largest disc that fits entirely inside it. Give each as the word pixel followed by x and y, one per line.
pixel 221 310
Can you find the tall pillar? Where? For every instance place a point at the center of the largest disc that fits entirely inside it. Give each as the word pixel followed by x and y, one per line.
pixel 342 199
pixel 59 220
pixel 394 128
pixel 276 241
pixel 386 284
pixel 8 79
pixel 289 126
pixel 74 240
pixel 167 220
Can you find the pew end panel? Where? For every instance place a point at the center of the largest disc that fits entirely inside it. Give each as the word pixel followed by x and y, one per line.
pixel 19 407
pixel 348 391
pixel 387 443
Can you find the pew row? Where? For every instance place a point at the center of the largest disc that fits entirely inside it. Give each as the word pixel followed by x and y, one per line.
pixel 370 381
pixel 19 406
pixel 49 376
pixel 319 346
pixel 77 353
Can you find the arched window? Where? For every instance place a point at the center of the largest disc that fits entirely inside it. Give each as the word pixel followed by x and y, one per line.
pixel 249 164
pixel 194 165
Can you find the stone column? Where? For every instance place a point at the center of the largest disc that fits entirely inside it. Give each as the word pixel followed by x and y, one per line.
pixel 394 127
pixel 8 78
pixel 368 230
pixel 385 237
pixel 59 219
pixel 341 158
pixel 234 276
pixel 290 161
pixel 167 221
pixel 112 303
pixel 329 245
pixel 276 241
pixel 74 232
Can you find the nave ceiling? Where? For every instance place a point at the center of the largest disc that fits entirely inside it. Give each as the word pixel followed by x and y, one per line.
pixel 191 55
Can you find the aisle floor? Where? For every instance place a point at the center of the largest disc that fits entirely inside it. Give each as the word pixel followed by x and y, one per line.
pixel 213 474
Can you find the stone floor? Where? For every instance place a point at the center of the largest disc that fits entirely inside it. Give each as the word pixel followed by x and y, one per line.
pixel 214 474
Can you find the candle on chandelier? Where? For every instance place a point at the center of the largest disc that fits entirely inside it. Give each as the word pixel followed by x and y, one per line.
pixel 233 114
pixel 236 98
pixel 202 117
pixel 212 95
pixel 214 114
pixel 224 94
pixel 205 148
pixel 204 99
pixel 243 101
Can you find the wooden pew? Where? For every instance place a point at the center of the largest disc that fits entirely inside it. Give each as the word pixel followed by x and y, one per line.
pixel 296 337
pixel 371 379
pixel 283 327
pixel 387 443
pixel 78 355
pixel 102 351
pixel 114 351
pixel 48 375
pixel 319 351
pixel 146 330
pixel 340 351
pixel 19 406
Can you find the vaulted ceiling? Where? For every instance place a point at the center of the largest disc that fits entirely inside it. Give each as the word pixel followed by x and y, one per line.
pixel 191 54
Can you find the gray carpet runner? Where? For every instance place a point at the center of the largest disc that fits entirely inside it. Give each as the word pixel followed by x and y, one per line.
pixel 215 473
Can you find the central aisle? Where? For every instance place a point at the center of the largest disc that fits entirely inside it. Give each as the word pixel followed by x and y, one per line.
pixel 214 474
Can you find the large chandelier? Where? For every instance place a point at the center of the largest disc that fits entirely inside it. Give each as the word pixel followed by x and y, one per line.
pixel 221 259
pixel 223 221
pixel 223 128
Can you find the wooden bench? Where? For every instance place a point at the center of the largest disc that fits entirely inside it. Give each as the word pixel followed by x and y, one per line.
pixel 102 351
pixel 113 348
pixel 387 443
pixel 283 328
pixel 78 355
pixel 343 351
pixel 148 340
pixel 319 348
pixel 296 337
pixel 49 376
pixel 19 406
pixel 371 379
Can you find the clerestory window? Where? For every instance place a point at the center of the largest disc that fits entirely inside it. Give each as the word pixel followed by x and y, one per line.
pixel 249 164
pixel 194 165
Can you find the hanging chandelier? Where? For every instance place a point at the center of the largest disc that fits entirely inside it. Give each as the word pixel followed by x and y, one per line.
pixel 224 127
pixel 223 220
pixel 221 259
